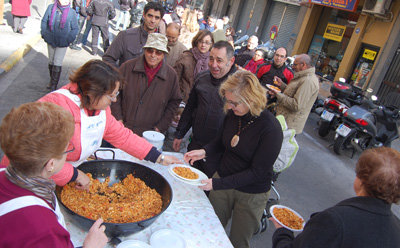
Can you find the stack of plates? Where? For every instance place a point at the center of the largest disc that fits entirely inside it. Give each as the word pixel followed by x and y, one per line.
pixel 196 182
pixel 133 244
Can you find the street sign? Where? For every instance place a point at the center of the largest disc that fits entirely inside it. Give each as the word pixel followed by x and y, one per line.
pixel 273 32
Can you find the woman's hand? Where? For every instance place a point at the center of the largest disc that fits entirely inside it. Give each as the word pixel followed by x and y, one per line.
pixel 276 224
pixel 82 181
pixel 96 236
pixel 192 156
pixel 208 185
pixel 168 160
pixel 177 144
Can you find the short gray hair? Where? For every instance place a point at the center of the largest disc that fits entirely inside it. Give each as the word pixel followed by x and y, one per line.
pixel 304 58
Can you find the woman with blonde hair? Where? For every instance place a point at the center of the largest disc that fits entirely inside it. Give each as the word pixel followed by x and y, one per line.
pixel 35 137
pixel 242 157
pixel 193 61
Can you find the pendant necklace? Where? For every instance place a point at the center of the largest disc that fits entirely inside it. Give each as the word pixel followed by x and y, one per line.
pixel 235 138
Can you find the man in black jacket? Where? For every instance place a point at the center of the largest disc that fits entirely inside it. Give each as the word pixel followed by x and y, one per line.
pixel 246 53
pixel 101 11
pixel 204 109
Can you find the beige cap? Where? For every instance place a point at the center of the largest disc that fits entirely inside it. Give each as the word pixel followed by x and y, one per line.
pixel 157 41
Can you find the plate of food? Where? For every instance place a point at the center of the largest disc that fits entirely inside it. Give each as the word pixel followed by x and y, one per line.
pixel 187 174
pixel 273 87
pixel 287 218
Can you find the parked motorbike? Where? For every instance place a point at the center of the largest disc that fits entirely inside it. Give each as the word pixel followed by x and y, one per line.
pixel 367 126
pixel 342 97
pixel 269 50
pixel 240 42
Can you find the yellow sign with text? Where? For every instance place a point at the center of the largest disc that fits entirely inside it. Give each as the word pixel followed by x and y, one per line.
pixel 369 54
pixel 334 32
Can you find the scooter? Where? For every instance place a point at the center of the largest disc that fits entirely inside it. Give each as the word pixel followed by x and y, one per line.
pixel 367 126
pixel 342 97
pixel 269 50
pixel 240 42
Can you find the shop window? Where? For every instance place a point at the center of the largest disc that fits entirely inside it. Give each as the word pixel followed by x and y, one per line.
pixel 330 40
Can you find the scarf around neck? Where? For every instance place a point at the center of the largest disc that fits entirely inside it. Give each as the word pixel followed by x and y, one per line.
pixel 201 60
pixel 64 15
pixel 40 186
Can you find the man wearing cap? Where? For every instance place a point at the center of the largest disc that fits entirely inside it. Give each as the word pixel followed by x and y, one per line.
pixel 151 94
pixel 129 43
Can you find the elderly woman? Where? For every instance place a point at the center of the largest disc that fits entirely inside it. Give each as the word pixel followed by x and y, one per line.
pixel 257 60
pixel 362 221
pixel 88 97
pixel 242 154
pixel 193 61
pixel 35 137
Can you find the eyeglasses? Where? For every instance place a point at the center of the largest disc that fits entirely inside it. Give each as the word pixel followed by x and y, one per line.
pixel 296 64
pixel 280 56
pixel 152 50
pixel 114 97
pixel 232 103
pixel 205 42
pixel 71 150
pixel 172 37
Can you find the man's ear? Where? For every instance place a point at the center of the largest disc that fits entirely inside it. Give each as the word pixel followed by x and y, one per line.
pixel 232 60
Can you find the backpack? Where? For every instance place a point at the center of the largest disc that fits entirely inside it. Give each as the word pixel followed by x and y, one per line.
pixel 289 147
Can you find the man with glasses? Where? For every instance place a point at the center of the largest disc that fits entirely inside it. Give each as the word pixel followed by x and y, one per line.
pixel 129 43
pixel 175 47
pixel 277 72
pixel 296 101
pixel 151 94
pixel 204 109
pixel 246 53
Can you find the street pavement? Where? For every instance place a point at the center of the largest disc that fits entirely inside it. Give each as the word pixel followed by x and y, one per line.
pixel 318 178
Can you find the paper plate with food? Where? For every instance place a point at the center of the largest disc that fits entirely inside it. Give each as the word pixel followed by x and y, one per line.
pixel 273 87
pixel 287 217
pixel 187 174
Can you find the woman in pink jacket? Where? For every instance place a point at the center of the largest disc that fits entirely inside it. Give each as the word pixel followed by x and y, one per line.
pixel 20 9
pixel 88 97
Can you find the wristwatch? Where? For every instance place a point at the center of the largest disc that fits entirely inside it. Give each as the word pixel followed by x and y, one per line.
pixel 162 159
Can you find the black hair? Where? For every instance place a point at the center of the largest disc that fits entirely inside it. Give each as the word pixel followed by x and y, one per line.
pixel 224 44
pixel 155 6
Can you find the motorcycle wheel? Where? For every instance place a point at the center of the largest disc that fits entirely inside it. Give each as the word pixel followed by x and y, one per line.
pixel 324 128
pixel 341 143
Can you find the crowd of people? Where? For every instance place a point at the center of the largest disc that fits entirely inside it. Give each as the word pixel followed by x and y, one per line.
pixel 208 99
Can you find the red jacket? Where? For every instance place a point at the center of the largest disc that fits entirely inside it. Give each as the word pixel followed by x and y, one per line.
pixel 21 7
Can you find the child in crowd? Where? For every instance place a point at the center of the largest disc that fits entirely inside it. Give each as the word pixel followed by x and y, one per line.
pixel 169 136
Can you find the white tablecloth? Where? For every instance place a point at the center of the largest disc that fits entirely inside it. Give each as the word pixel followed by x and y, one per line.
pixel 190 213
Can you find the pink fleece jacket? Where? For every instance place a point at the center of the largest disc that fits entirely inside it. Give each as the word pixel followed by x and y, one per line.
pixel 114 132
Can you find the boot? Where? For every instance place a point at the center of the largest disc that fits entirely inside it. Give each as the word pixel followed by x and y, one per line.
pixel 55 77
pixel 50 71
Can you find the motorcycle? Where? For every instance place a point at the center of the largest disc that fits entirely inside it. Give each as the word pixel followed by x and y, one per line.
pixel 343 96
pixel 240 42
pixel 269 50
pixel 367 126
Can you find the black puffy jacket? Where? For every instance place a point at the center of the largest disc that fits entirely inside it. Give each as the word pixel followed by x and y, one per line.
pixel 204 110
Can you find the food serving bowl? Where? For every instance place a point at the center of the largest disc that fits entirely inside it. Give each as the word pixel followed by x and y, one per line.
pixel 117 170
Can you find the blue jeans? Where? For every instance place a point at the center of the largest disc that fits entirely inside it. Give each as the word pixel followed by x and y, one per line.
pixel 124 18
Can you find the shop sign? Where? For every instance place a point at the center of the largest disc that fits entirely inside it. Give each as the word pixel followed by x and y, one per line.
pixel 348 5
pixel 369 54
pixel 334 32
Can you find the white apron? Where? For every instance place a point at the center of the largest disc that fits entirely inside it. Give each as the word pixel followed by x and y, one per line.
pixel 27 201
pixel 92 129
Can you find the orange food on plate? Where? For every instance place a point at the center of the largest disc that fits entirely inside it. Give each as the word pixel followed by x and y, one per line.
pixel 130 200
pixel 185 172
pixel 288 218
pixel 274 87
